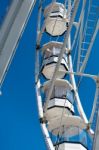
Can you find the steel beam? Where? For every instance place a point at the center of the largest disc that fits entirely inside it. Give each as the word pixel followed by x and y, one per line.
pixel 96 138
pixel 11 32
pixel 90 47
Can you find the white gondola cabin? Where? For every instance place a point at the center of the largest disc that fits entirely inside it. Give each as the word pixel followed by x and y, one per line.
pixel 68 121
pixel 62 97
pixel 56 20
pixel 51 52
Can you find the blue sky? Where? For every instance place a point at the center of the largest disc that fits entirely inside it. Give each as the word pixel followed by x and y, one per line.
pixel 19 124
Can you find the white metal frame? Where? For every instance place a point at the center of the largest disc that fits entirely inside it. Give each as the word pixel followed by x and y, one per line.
pixel 90 47
pixel 11 32
pixel 71 72
pixel 96 138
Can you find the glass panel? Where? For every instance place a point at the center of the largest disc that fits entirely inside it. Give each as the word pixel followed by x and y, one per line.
pixel 83 138
pixel 56 51
pixel 53 93
pixel 70 96
pixel 47 53
pixel 80 136
pixel 60 92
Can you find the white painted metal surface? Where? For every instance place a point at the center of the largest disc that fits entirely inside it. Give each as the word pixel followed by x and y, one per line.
pixel 50 45
pixel 90 47
pixel 79 105
pixel 11 32
pixel 43 125
pixel 57 125
pixel 47 137
pixel 49 65
pixel 58 102
pixel 95 103
pixel 60 83
pixel 56 22
pixel 56 106
pixel 51 51
pixel 71 146
pixel 96 138
pixel 60 121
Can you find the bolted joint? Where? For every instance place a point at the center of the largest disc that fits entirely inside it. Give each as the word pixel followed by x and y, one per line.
pixel 69 52
pixel 43 120
pixel 67 24
pixel 88 126
pixel 38 47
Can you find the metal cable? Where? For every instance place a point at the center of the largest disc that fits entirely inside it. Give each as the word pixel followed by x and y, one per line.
pixel 62 117
pixel 76 50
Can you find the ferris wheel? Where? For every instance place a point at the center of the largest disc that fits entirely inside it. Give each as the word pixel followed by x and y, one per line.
pixel 66 33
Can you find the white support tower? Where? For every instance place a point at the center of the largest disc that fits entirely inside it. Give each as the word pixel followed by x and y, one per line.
pixel 11 32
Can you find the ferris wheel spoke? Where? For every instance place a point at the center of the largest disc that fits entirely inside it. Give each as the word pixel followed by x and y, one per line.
pixel 79 106
pixel 47 137
pixel 95 103
pixel 96 137
pixel 88 36
pixel 78 24
pixel 90 48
